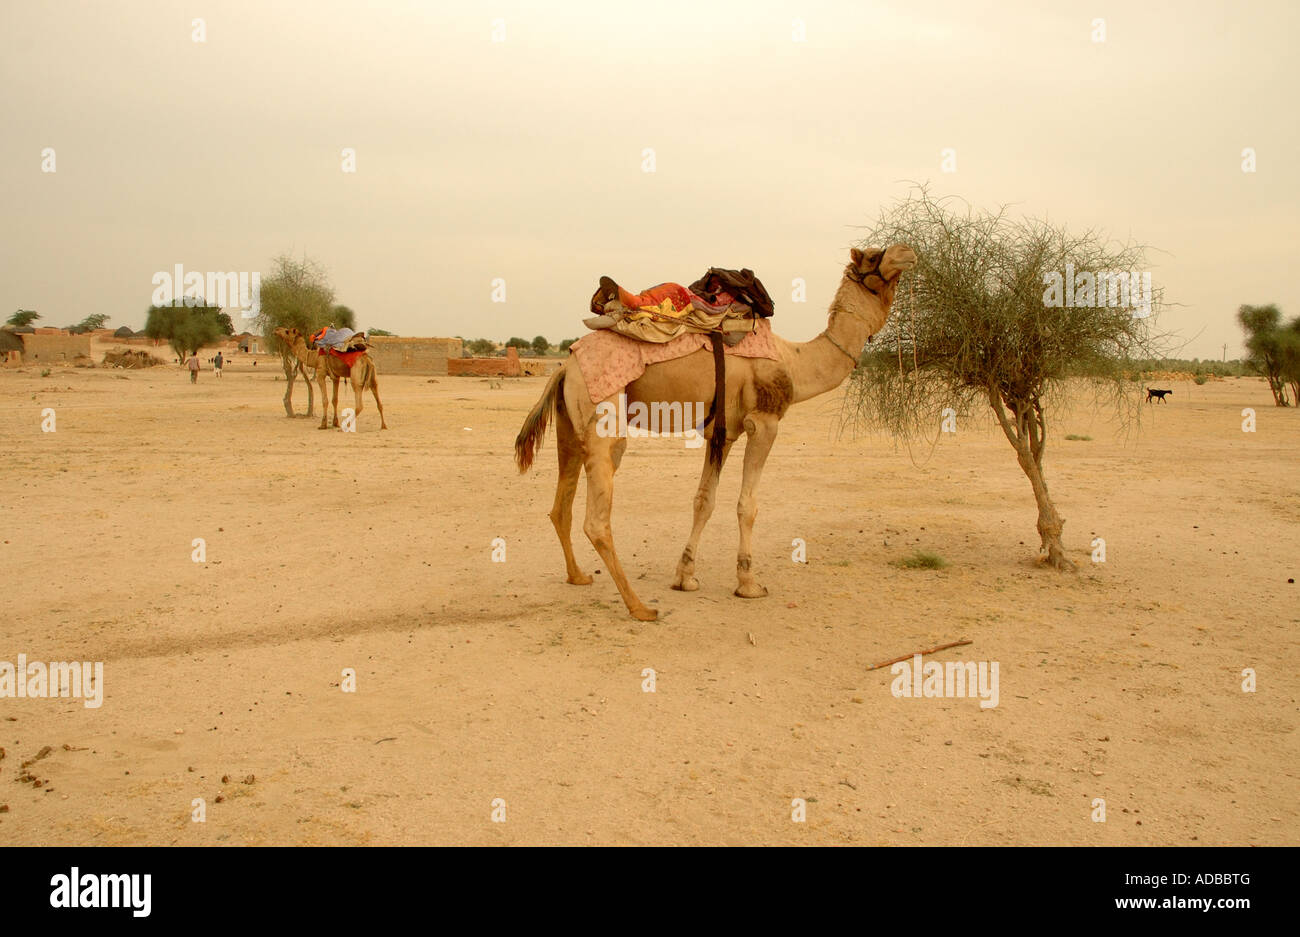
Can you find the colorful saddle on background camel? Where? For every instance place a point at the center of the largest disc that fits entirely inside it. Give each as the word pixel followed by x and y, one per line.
pixel 723 301
pixel 343 344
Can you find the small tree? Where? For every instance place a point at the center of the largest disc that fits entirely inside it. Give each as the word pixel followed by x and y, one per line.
pixel 974 324
pixel 541 346
pixel 23 318
pixel 186 329
pixel 343 318
pixel 565 345
pixel 481 347
pixel 521 343
pixel 90 323
pixel 1267 346
pixel 380 332
pixel 297 295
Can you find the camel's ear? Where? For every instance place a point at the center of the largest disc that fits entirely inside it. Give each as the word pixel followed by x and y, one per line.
pixel 855 255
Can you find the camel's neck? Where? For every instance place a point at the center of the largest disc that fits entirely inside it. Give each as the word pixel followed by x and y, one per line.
pixel 819 366
pixel 304 354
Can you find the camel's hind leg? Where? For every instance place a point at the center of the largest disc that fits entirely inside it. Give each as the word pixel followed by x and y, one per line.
pixel 337 378
pixel 603 454
pixel 685 580
pixel 566 486
pixel 358 388
pixel 324 399
pixel 374 390
pixel 761 430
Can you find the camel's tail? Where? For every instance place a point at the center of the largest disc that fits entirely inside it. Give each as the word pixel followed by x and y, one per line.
pixel 533 431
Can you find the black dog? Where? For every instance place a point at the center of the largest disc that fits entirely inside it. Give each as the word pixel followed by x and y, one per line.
pixel 1158 394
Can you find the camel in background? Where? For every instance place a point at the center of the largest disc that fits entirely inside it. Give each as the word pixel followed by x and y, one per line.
pixel 363 374
pixel 758 393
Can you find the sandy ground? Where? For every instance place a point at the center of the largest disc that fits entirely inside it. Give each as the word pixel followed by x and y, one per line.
pixel 479 680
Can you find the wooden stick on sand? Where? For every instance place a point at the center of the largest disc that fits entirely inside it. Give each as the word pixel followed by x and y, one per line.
pixel 941 647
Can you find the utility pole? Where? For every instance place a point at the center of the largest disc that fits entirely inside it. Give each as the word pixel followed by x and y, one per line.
pixel 1225 351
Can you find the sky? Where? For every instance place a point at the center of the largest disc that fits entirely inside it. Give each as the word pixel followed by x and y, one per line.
pixel 506 143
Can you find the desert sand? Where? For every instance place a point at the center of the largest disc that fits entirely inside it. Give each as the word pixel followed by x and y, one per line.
pixel 481 681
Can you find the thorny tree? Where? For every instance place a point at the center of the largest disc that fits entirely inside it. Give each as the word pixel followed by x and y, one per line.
pixel 298 295
pixel 974 325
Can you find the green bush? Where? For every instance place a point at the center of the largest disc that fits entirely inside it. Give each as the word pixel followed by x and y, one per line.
pixel 922 560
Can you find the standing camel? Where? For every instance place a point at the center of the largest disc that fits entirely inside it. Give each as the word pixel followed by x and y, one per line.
pixel 758 393
pixel 363 374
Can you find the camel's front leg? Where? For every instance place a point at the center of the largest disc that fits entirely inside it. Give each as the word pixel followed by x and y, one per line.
pixel 336 400
pixel 602 457
pixel 685 580
pixel 761 430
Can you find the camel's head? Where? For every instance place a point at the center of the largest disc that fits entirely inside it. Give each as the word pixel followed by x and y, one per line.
pixel 288 336
pixel 878 270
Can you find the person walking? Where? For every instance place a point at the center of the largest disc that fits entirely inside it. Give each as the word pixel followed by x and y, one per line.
pixel 217 363
pixel 193 364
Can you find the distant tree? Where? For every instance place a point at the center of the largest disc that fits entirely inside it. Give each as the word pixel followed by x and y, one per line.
pixel 972 326
pixel 1265 346
pixel 92 322
pixel 297 295
pixel 23 318
pixel 123 332
pixel 380 332
pixel 521 343
pixel 227 326
pixel 540 345
pixel 481 347
pixel 343 318
pixel 186 329
pixel 565 345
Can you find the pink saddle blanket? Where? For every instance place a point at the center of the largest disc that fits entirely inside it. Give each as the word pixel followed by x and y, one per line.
pixel 609 361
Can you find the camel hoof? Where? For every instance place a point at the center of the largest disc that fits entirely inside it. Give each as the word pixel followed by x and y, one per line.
pixel 644 614
pixel 687 584
pixel 752 591
pixel 323 426
pixel 582 579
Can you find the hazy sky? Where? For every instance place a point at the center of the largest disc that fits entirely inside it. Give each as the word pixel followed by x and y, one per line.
pixel 522 159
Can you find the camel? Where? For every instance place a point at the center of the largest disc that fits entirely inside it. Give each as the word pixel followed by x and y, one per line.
pixel 363 374
pixel 758 393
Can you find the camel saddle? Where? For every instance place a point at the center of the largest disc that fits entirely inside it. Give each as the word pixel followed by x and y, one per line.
pixel 723 304
pixel 339 340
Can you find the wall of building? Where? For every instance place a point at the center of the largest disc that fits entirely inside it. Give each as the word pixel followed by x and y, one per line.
pixel 509 366
pixel 45 346
pixel 393 355
pixel 483 367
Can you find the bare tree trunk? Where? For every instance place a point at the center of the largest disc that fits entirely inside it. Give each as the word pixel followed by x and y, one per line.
pixel 292 368
pixel 289 374
pixel 1029 437
pixel 311 392
pixel 1276 385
